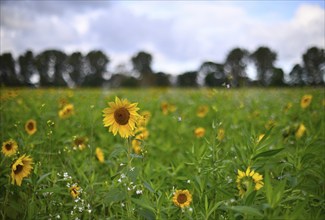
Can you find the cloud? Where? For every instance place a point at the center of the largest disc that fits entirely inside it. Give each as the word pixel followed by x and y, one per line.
pixel 179 35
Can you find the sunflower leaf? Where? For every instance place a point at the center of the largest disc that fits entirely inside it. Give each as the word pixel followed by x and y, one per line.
pixel 268 153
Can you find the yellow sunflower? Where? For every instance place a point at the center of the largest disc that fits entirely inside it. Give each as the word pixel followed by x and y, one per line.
pixel 67 111
pixel 305 101
pixel 202 111
pixel 9 148
pixel 246 179
pixel 136 146
pixel 80 143
pixel 100 155
pixel 221 134
pixel 300 131
pixel 199 132
pixel 121 117
pixel 143 121
pixel 20 169
pixel 75 190
pixel 30 127
pixel 182 198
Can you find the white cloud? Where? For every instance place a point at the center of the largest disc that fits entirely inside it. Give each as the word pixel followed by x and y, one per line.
pixel 179 35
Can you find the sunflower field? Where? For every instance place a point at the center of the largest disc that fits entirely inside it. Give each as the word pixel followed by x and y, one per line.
pixel 162 154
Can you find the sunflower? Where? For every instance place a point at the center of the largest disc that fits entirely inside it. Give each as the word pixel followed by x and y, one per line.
pixel 9 148
pixel 136 146
pixel 300 131
pixel 246 179
pixel 67 111
pixel 121 117
pixel 143 121
pixel 75 190
pixel 202 111
pixel 80 143
pixel 100 155
pixel 199 132
pixel 21 169
pixel 142 133
pixel 221 134
pixel 30 127
pixel 182 198
pixel 305 101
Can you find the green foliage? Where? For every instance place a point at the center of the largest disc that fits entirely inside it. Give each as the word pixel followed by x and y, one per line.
pixel 141 186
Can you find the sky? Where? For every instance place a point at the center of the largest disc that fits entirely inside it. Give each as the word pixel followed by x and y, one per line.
pixel 180 35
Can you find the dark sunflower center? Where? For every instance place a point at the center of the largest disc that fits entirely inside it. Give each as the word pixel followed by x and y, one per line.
pixel 30 126
pixel 8 146
pixel 19 168
pixel 181 198
pixel 122 116
pixel 305 100
pixel 79 141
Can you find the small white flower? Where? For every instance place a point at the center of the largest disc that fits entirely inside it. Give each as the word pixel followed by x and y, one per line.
pixel 190 209
pixel 121 164
pixel 132 168
pixel 122 204
pixel 139 191
pixel 188 181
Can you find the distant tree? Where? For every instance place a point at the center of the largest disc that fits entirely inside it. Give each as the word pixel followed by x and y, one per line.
pixel 296 76
pixel 142 64
pixel 212 73
pixel 77 69
pixel 314 62
pixel 97 62
pixel 27 67
pixel 187 79
pixel 162 79
pixel 235 66
pixel 8 73
pixel 264 60
pixel 277 78
pixel 52 66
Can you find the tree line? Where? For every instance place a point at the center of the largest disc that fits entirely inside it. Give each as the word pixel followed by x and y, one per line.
pixel 56 68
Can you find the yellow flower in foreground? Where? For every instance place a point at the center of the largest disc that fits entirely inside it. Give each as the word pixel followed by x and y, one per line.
pixel 136 146
pixel 9 148
pixel 300 131
pixel 182 198
pixel 30 127
pixel 202 111
pixel 121 117
pixel 221 134
pixel 246 179
pixel 67 111
pixel 199 132
pixel 21 169
pixel 305 101
pixel 100 155
pixel 75 190
pixel 143 121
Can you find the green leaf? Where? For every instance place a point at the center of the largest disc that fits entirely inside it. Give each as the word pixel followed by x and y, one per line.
pixel 250 198
pixel 247 210
pixel 43 177
pixel 148 186
pixel 143 203
pixel 268 153
pixel 115 195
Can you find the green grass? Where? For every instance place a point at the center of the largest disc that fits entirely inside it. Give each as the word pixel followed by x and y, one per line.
pixel 173 157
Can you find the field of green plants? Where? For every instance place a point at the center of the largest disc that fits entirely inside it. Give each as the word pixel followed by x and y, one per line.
pixel 194 154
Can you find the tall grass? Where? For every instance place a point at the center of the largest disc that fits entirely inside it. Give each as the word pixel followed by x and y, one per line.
pixel 141 186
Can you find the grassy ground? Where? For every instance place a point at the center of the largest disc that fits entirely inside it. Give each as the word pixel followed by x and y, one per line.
pixel 130 185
